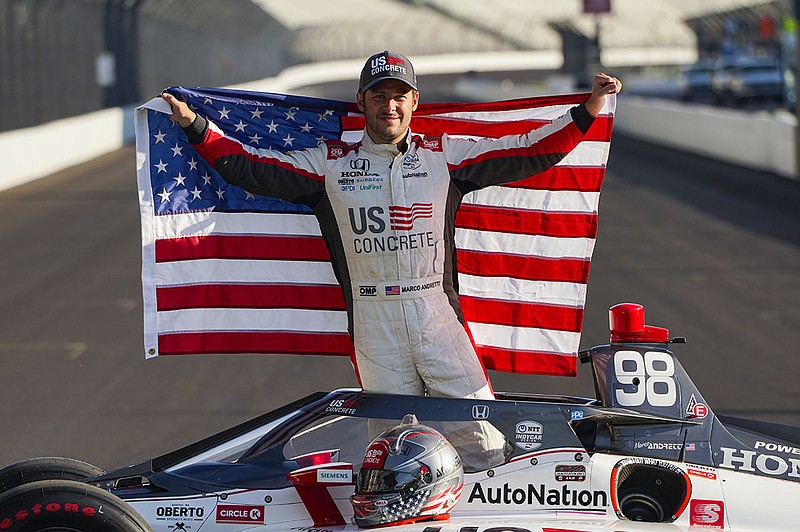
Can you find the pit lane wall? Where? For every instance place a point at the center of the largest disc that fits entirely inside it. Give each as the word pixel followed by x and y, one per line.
pixel 760 140
pixel 756 139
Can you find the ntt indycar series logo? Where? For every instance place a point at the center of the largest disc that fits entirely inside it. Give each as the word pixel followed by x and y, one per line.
pixel 528 435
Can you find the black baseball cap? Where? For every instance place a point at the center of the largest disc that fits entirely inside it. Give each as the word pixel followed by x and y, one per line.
pixel 387 65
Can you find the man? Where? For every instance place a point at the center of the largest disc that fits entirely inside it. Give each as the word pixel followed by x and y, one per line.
pixel 392 246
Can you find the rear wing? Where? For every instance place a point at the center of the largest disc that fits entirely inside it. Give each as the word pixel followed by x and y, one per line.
pixel 637 372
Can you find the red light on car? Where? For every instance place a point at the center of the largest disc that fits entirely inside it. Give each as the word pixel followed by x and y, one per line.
pixel 626 322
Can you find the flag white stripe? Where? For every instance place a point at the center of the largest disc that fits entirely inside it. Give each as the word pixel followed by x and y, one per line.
pixel 529 245
pixel 545 114
pixel 143 165
pixel 587 153
pixel 352 136
pixel 244 223
pixel 247 320
pixel 215 271
pixel 526 338
pixel 457 153
pixel 544 200
pixel 522 290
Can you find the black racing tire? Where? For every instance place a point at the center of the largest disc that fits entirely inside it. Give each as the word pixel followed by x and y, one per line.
pixel 66 505
pixel 45 468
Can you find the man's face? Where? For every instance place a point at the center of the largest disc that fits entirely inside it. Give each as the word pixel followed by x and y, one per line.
pixel 387 108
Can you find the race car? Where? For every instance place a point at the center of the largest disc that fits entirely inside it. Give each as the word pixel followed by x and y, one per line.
pixel 646 453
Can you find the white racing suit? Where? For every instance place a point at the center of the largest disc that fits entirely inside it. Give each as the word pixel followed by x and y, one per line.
pixel 387 215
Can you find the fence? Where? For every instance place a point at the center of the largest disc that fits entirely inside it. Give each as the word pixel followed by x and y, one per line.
pixel 62 58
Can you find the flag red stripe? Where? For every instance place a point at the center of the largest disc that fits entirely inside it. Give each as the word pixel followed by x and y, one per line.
pixel 521 314
pixel 257 247
pixel 525 222
pixel 522 267
pixel 255 342
pixel 320 297
pixel 539 363
pixel 406 222
pixel 502 105
pixel 600 130
pixel 409 215
pixel 437 126
pixel 422 207
pixel 564 178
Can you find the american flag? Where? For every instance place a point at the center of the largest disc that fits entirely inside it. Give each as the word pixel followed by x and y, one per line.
pixel 402 218
pixel 226 271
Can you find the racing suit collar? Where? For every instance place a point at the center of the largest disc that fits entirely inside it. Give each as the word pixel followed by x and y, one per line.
pixel 392 150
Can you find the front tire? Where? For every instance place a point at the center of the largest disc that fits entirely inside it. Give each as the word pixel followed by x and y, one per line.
pixel 66 505
pixel 46 468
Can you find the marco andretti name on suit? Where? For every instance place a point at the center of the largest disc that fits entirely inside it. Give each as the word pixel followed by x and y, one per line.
pixel 541 494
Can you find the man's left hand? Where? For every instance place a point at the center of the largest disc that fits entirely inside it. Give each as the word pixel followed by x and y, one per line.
pixel 602 86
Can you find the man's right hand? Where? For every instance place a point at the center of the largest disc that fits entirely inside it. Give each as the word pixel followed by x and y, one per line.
pixel 181 114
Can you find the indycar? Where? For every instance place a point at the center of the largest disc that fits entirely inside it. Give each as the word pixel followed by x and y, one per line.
pixel 646 453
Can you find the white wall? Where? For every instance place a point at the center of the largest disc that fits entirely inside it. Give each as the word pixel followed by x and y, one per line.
pixel 35 152
pixel 761 140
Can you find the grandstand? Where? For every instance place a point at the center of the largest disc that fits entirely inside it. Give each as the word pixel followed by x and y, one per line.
pixel 345 29
pixel 635 32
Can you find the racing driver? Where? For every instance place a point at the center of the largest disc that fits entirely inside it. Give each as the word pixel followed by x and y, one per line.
pixel 392 245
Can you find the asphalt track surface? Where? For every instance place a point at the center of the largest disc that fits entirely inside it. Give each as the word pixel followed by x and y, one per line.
pixel 711 250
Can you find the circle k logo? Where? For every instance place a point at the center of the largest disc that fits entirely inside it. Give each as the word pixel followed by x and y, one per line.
pixel 242 514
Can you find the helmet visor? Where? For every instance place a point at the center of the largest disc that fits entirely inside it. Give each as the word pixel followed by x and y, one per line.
pixel 384 481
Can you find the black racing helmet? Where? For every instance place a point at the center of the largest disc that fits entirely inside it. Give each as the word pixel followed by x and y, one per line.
pixel 410 472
